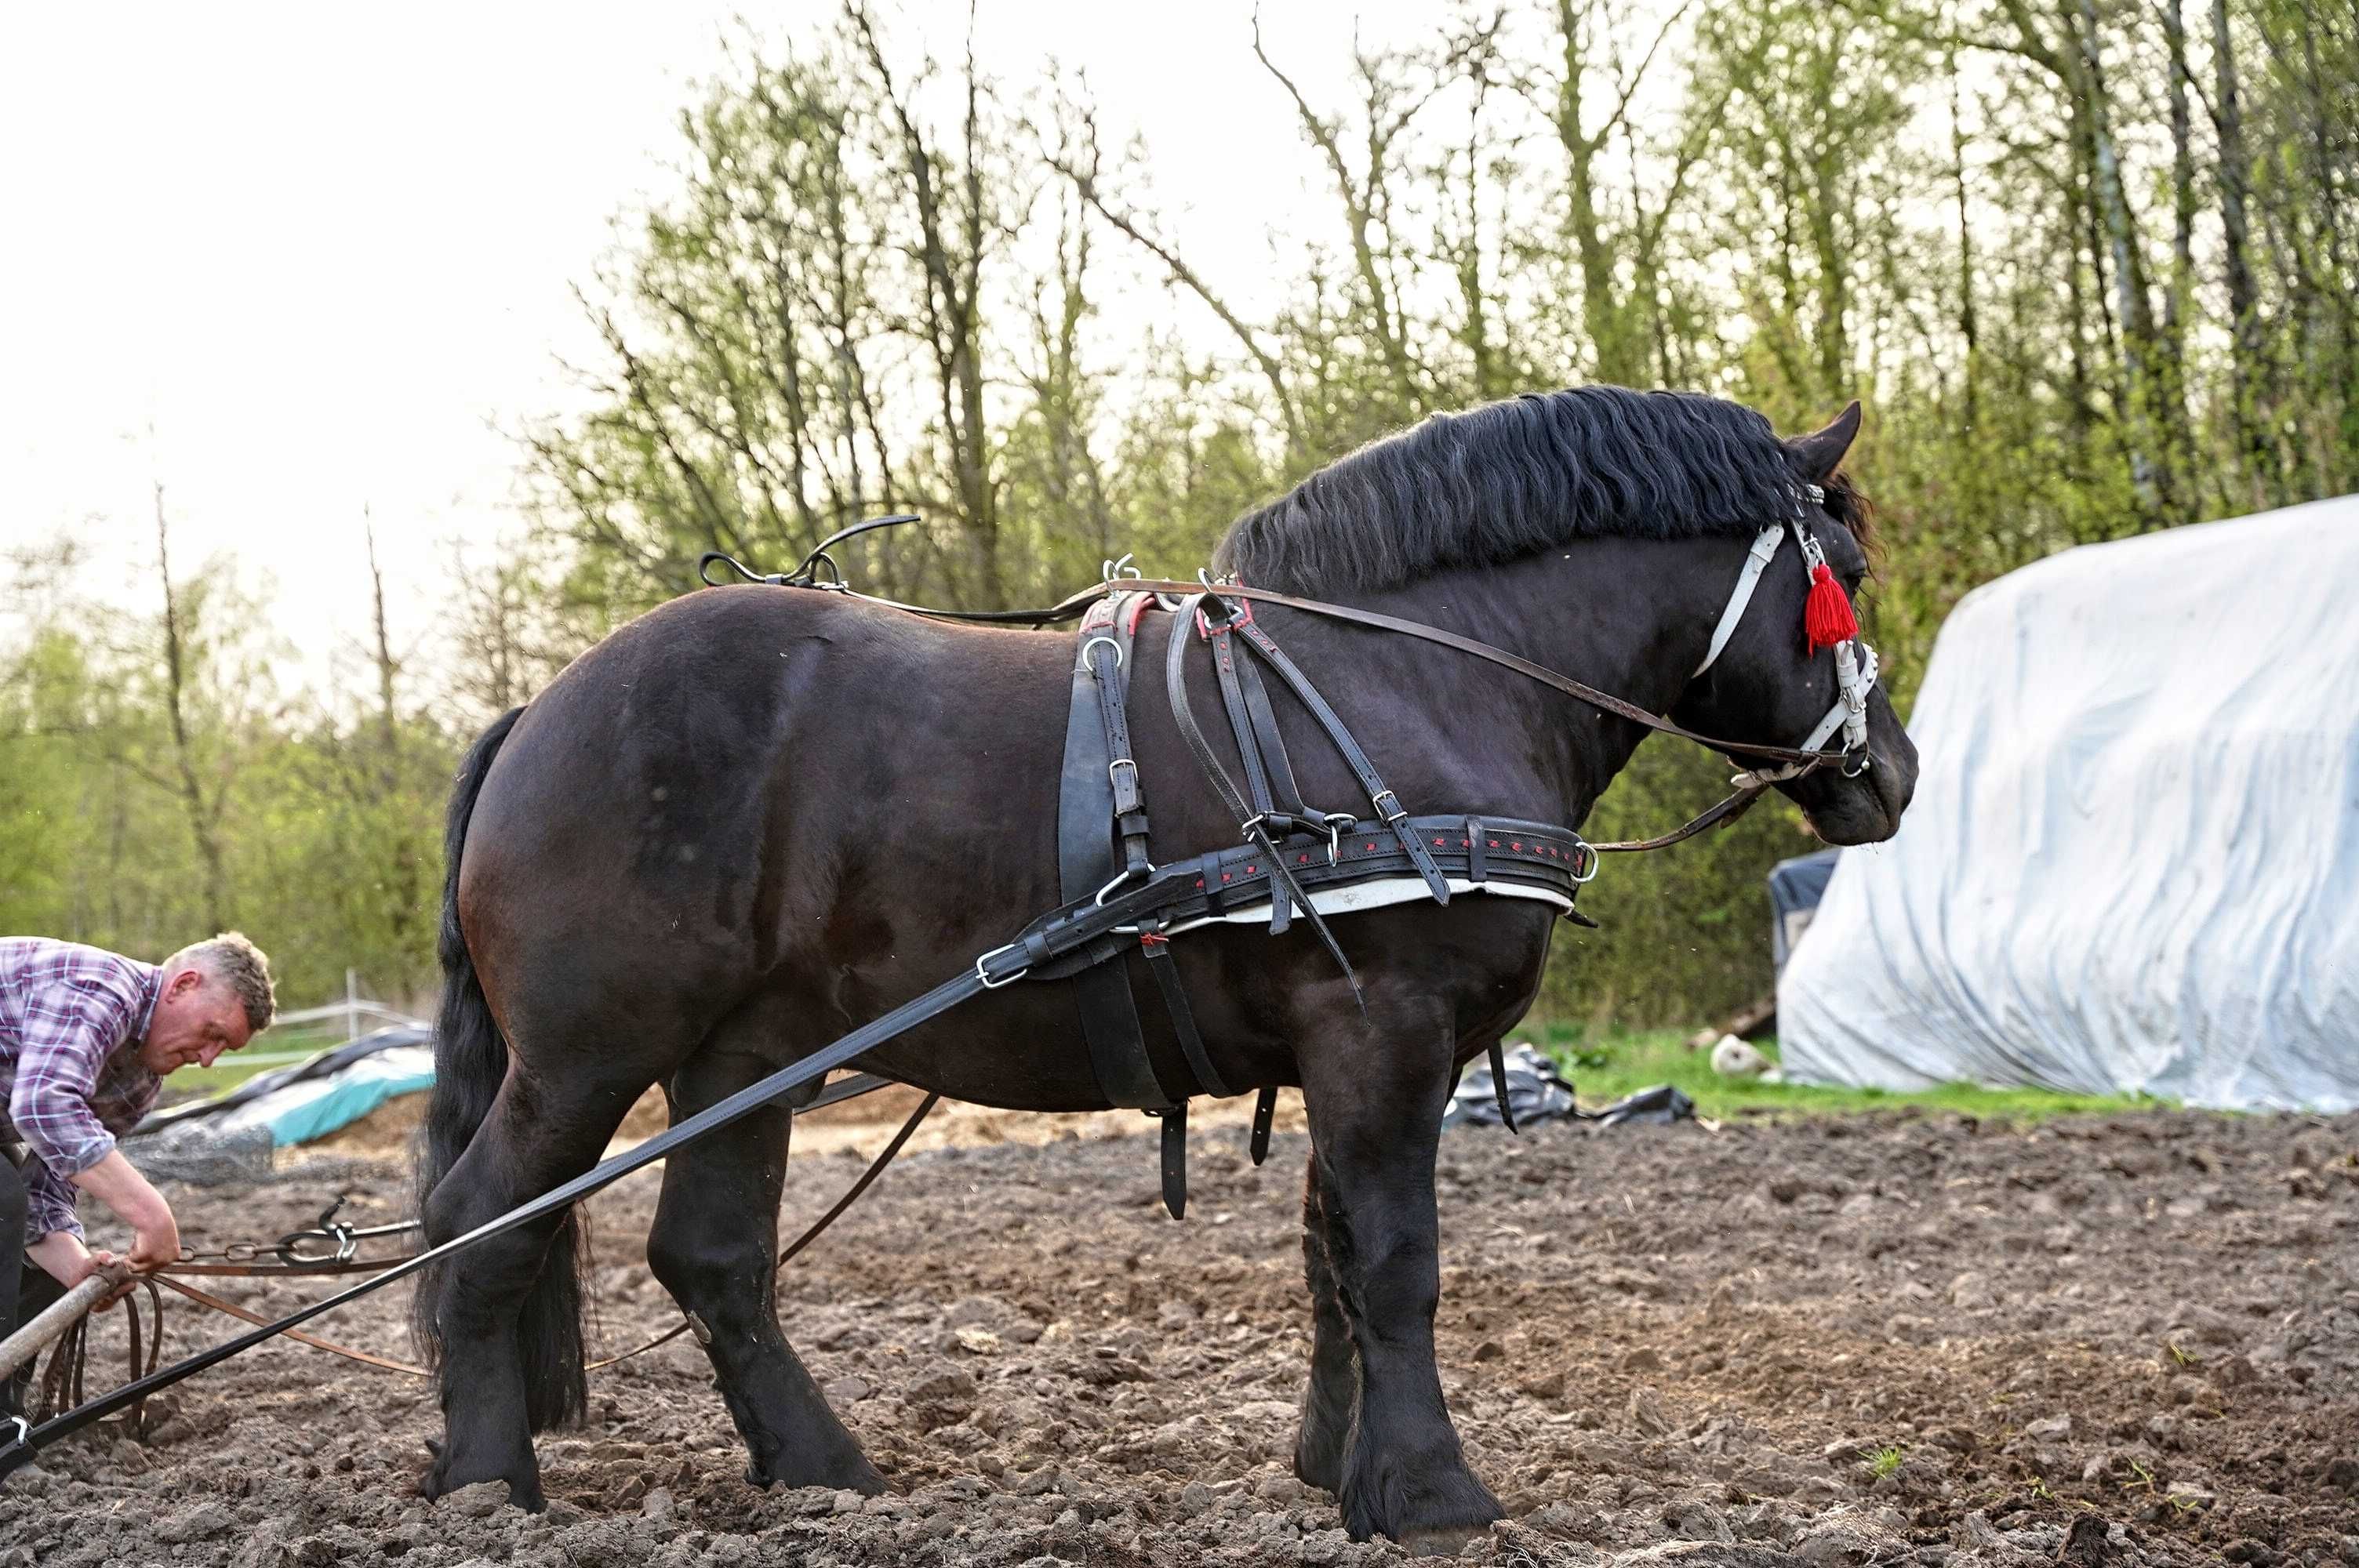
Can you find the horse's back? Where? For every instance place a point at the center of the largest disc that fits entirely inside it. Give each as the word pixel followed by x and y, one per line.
pixel 747 776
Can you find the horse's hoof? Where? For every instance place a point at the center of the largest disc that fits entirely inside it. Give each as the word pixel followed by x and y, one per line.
pixel 1321 1470
pixel 438 1483
pixel 1446 1541
pixel 856 1474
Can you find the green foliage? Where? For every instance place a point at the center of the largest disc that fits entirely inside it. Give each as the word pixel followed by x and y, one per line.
pixel 2093 265
pixel 1605 1063
pixel 327 828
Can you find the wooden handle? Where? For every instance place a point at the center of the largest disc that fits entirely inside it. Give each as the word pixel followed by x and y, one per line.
pixel 37 1335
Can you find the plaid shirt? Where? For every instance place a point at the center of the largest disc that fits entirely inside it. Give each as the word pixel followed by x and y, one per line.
pixel 72 1022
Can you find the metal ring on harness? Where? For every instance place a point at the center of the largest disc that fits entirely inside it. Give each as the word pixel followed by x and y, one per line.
pixel 23 1432
pixel 1124 877
pixel 290 1246
pixel 1336 822
pixel 1109 643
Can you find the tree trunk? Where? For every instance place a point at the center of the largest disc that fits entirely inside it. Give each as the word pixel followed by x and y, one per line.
pixel 2143 437
pixel 2249 383
pixel 204 820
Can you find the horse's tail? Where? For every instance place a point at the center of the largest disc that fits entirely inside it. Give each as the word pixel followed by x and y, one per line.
pixel 471 1061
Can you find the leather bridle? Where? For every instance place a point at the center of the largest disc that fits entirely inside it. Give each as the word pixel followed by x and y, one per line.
pixel 1855 661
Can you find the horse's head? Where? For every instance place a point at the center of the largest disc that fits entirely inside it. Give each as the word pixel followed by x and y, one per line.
pixel 1777 680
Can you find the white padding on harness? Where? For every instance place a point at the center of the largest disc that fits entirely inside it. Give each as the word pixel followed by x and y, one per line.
pixel 1377 895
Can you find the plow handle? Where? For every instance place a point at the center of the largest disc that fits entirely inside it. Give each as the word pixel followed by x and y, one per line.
pixel 35 1337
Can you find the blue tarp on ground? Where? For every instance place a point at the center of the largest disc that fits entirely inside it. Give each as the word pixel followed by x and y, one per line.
pixel 311 1098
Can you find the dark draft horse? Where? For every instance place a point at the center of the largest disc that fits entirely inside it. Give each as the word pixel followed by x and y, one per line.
pixel 757 817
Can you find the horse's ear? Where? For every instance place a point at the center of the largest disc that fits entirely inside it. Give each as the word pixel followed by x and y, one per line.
pixel 1819 454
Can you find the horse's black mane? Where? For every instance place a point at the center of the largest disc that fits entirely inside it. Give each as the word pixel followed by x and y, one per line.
pixel 1508 479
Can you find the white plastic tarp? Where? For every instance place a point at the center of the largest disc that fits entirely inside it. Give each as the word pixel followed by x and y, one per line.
pixel 2132 862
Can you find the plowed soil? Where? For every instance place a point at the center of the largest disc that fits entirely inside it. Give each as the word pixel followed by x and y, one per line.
pixel 1887 1339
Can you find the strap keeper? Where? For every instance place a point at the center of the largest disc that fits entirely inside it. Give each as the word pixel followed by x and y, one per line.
pixel 1235 613
pixel 1478 869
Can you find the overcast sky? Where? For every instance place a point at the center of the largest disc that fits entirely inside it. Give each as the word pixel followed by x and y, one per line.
pixel 322 250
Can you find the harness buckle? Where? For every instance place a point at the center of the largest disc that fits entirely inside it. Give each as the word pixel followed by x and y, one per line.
pixel 983 972
pixel 1114 783
pixel 1396 815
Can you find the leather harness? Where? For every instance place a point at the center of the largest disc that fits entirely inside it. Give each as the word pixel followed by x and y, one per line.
pixel 1286 849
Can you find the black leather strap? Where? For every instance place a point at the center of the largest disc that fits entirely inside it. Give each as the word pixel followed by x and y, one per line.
pixel 1265 1108
pixel 1394 815
pixel 1284 795
pixel 1175 685
pixel 1175 1158
pixel 1499 1086
pixel 1105 653
pixel 1086 803
pixel 1157 948
pixel 1225 665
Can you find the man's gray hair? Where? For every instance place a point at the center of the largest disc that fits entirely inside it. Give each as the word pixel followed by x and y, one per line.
pixel 244 968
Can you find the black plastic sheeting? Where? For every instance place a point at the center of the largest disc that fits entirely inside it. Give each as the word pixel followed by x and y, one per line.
pixel 1539 1092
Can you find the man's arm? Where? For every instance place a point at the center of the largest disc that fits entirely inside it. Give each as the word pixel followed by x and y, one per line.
pixel 61 1256
pixel 156 1234
pixel 67 1035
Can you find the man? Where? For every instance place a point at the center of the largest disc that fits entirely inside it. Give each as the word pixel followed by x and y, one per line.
pixel 86 1038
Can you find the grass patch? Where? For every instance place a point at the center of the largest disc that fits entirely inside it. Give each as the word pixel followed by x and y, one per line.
pixel 1603 1067
pixel 1882 1461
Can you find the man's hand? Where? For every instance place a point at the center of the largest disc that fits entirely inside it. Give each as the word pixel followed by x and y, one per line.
pixel 156 1234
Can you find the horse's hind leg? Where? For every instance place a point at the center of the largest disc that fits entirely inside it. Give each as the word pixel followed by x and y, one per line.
pixel 1376 1097
pixel 495 1385
pixel 714 1246
pixel 1334 1386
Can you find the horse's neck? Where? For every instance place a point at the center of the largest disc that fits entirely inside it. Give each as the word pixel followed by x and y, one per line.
pixel 1629 617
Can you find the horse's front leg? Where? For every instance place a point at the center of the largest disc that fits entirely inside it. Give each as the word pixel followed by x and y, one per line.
pixel 1374 1097
pixel 1334 1386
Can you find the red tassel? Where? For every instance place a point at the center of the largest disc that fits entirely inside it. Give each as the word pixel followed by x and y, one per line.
pixel 1827 618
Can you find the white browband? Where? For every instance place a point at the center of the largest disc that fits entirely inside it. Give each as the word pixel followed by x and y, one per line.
pixel 1855 665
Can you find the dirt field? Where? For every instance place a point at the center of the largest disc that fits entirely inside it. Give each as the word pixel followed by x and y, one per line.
pixel 1891 1340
